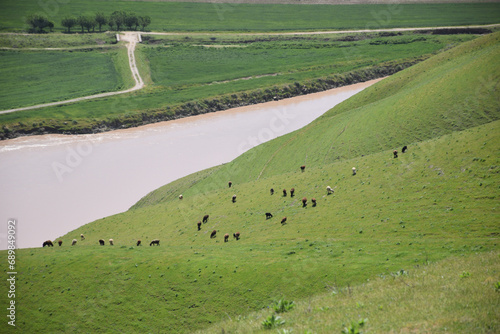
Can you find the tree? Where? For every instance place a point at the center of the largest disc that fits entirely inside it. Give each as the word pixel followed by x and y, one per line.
pixel 144 21
pixel 50 25
pixel 37 22
pixel 100 19
pixel 68 22
pixel 131 21
pixel 111 23
pixel 118 18
pixel 82 22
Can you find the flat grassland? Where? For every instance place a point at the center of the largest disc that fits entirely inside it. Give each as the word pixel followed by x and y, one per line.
pixel 35 77
pixel 180 70
pixel 171 16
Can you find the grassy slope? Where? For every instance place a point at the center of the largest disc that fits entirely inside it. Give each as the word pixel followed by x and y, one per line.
pixel 451 91
pixel 250 17
pixel 29 78
pixel 394 214
pixel 468 302
pixel 437 200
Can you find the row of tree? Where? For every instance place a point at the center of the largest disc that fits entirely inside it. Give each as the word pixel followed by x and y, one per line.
pixel 116 21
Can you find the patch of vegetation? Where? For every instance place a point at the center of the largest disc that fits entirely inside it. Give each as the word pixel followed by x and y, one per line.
pixel 36 77
pixel 187 16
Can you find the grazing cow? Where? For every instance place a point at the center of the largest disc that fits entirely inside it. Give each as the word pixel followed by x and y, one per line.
pixel 138 242
pixel 60 243
pixel 226 237
pixel 212 235
pixel 404 149
pixel 230 184
pixel 269 215
pixel 234 198
pixel 82 237
pixel 236 235
pixel 73 242
pixel 205 218
pixel 353 170
pixel 304 202
pixel 111 242
pixel 313 200
pixel 395 153
pixel 303 167
pixel 272 191
pixel 48 243
pixel 292 192
pixel 199 225
pixel 101 242
pixel 329 190
pixel 180 196
pixel 284 192
pixel 283 221
pixel 155 242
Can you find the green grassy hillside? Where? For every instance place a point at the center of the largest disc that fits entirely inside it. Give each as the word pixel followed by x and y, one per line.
pixel 439 199
pixel 452 91
pixel 468 302
pixel 187 16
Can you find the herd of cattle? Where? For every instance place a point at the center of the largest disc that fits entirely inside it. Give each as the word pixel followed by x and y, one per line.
pixel 205 218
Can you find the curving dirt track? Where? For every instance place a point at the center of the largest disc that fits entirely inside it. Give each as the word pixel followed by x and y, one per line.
pixel 132 37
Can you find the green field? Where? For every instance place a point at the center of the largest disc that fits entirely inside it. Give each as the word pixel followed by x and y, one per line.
pixel 179 71
pixel 34 77
pixel 185 16
pixel 437 201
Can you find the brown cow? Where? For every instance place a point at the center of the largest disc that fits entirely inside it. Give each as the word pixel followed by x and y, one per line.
pixel 292 192
pixel 138 242
pixel 236 235
pixel 272 191
pixel 230 184
pixel 60 242
pixel 226 237
pixel 199 225
pixel 212 235
pixel 313 200
pixel 304 202
pixel 395 153
pixel 101 242
pixel 284 192
pixel 155 242
pixel 205 218
pixel 48 243
pixel 303 167
pixel 283 221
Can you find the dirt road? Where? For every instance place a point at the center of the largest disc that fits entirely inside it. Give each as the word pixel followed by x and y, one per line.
pixel 132 38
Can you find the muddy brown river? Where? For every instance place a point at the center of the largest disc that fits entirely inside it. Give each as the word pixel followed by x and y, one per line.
pixel 53 184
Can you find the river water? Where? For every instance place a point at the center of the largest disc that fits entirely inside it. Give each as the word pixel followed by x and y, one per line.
pixel 53 184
